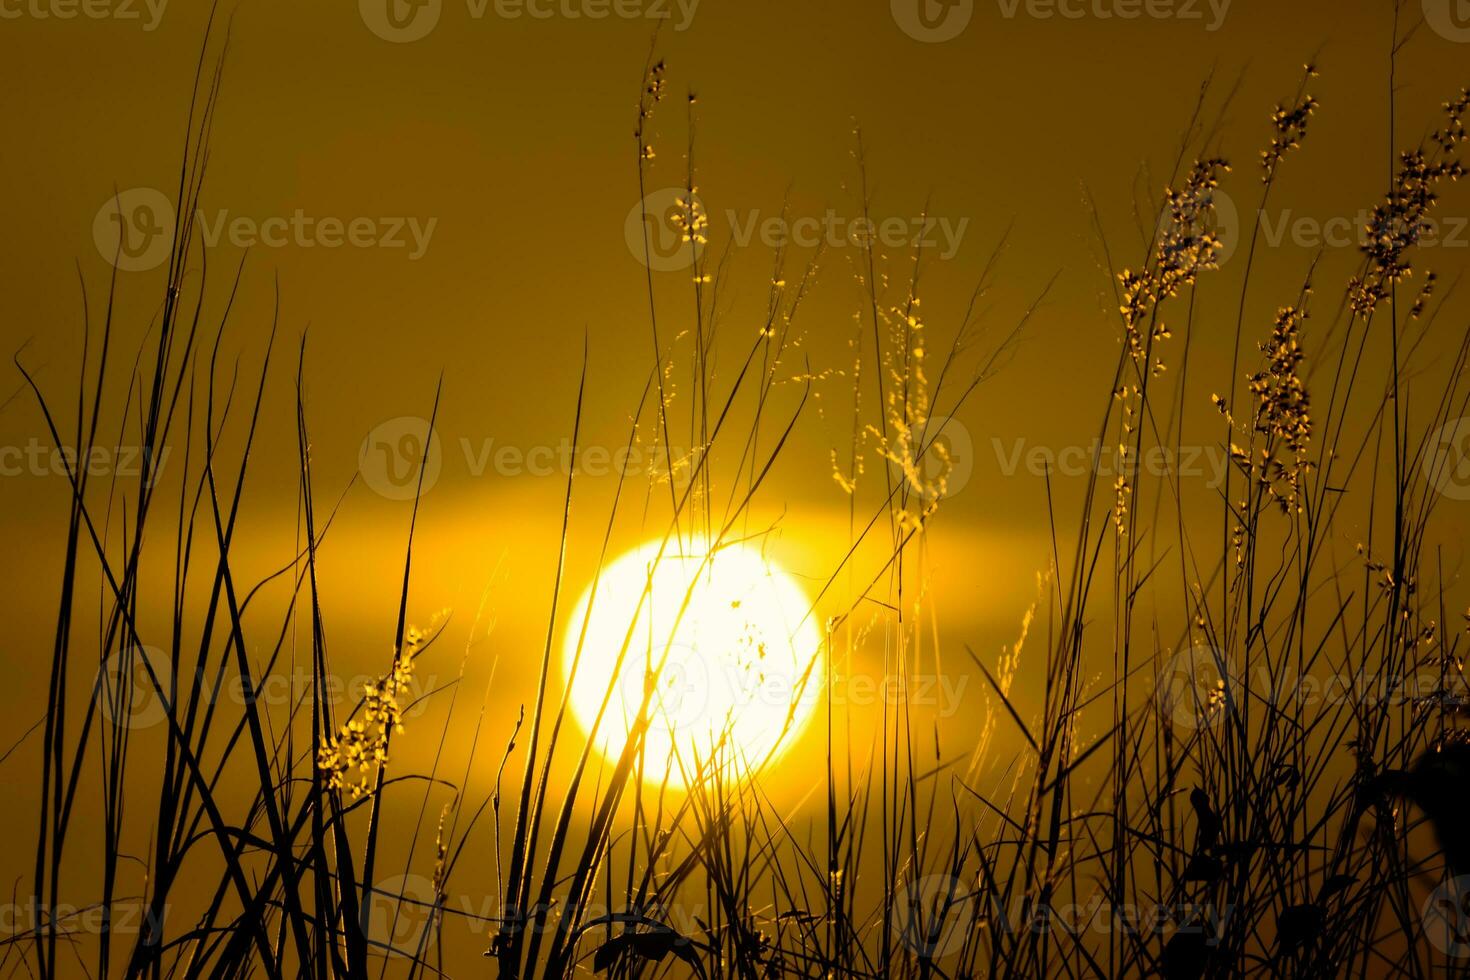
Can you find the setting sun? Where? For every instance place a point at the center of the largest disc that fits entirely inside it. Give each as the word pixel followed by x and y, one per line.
pixel 734 659
pixel 647 489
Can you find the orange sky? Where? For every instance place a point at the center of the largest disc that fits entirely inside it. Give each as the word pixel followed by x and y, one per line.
pixel 446 189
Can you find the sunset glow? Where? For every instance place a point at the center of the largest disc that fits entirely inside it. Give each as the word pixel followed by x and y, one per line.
pixel 733 655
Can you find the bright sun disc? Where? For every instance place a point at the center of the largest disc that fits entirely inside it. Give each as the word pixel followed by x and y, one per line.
pixel 737 675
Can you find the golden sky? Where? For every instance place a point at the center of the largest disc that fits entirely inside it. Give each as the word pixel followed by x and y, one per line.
pixel 445 190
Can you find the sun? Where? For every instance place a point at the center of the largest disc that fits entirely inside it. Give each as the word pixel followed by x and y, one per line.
pixel 727 642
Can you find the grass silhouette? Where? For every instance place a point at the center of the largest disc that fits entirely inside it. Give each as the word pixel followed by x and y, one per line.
pixel 1178 810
